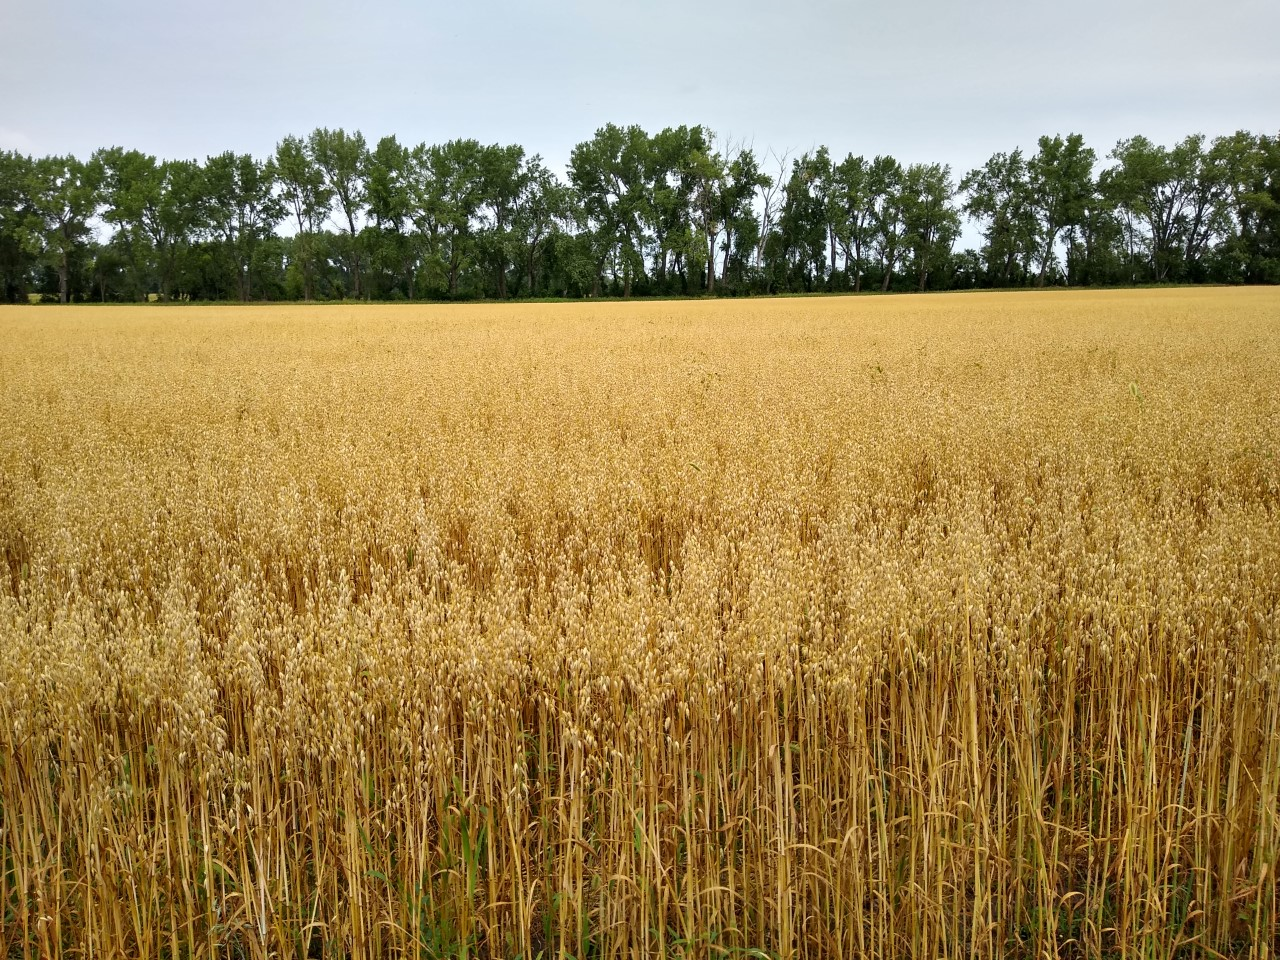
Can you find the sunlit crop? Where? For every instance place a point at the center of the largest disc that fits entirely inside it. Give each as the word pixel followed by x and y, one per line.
pixel 888 627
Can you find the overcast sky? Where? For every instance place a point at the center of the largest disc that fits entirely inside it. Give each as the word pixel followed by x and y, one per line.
pixel 924 80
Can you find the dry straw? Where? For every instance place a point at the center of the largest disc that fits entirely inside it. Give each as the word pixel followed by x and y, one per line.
pixel 901 627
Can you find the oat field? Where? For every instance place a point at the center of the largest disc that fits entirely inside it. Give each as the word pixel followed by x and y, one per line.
pixel 937 626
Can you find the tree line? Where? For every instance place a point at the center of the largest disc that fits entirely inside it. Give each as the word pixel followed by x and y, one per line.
pixel 679 212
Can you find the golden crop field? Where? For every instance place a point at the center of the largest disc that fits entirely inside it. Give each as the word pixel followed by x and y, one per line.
pixel 861 627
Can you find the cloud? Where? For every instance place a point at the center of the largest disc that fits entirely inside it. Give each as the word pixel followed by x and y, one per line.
pixel 11 139
pixel 924 80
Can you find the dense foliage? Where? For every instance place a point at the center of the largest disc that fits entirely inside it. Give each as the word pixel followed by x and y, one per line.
pixel 677 212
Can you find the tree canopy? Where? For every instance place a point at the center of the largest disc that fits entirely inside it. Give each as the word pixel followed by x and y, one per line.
pixel 676 212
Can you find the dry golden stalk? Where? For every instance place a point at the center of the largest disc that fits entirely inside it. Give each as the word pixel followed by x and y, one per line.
pixel 846 628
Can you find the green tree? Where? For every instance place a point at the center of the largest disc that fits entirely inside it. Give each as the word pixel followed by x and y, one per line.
pixel 16 260
pixel 1250 167
pixel 450 185
pixel 999 195
pixel 852 214
pixel 391 245
pixel 711 184
pixel 572 259
pixel 638 214
pixel 803 226
pixel 931 224
pixel 64 195
pixel 109 267
pixel 307 197
pixel 241 209
pixel 503 176
pixel 1261 205
pixel 541 209
pixel 885 184
pixel 724 187
pixel 827 190
pixel 738 187
pixel 1207 215
pixel 743 184
pixel 343 159
pixel 769 202
pixel 1095 244
pixel 158 204
pixel 1061 187
pixel 676 162
pixel 609 174
pixel 1173 201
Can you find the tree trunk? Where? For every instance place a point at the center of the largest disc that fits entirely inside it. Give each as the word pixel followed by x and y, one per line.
pixel 888 275
pixel 711 264
pixel 1044 260
pixel 64 270
pixel 355 253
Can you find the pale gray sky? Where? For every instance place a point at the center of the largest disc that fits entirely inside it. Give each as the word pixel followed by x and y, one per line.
pixel 924 80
